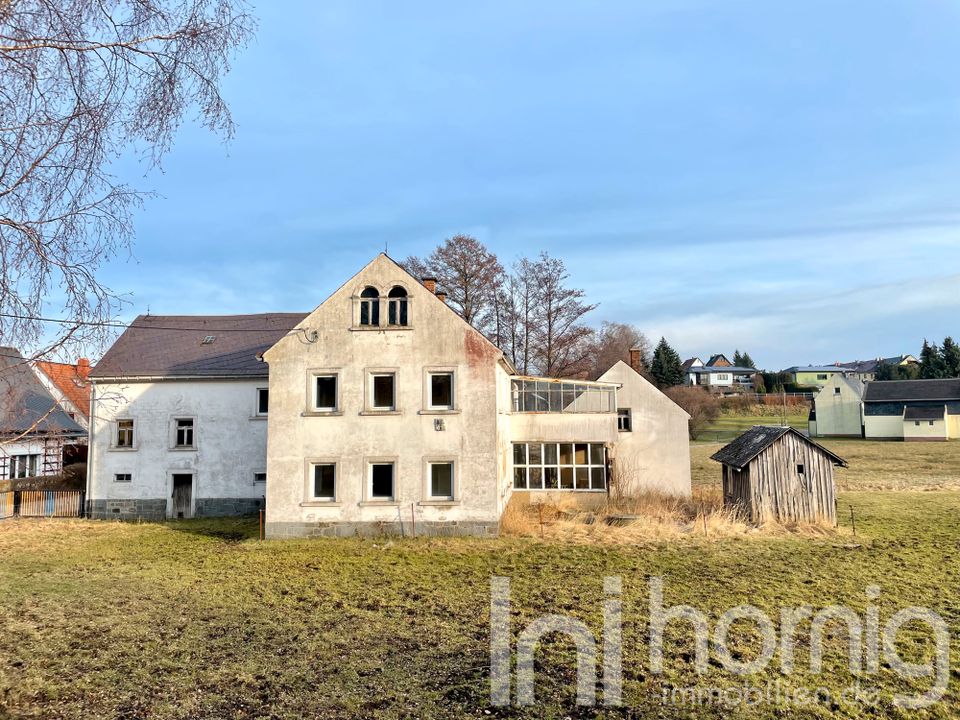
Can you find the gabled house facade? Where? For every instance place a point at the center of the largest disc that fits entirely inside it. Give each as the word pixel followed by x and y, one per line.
pixel 838 408
pixel 717 372
pixel 69 386
pixel 389 411
pixel 35 431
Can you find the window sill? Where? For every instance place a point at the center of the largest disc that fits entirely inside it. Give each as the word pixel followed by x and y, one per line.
pixel 321 413
pixel 439 411
pixel 380 412
pixel 182 449
pixel 379 503
pixel 258 417
pixel 438 503
pixel 320 503
pixel 123 449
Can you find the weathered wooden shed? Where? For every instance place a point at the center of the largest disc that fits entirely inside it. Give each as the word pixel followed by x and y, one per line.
pixel 778 474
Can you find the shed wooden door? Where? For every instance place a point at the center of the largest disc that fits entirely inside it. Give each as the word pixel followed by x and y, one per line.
pixel 182 495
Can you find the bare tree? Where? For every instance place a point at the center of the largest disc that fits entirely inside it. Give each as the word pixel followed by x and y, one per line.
pixel 470 274
pixel 83 81
pixel 612 342
pixel 516 305
pixel 559 337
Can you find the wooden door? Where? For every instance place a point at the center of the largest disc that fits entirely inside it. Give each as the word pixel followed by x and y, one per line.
pixel 182 495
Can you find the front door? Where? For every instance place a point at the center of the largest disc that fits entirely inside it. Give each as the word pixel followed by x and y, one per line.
pixel 182 496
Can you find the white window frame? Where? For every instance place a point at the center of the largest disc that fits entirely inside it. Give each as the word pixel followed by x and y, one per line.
pixel 560 467
pixel 26 460
pixel 309 494
pixel 428 375
pixel 117 476
pixel 257 412
pixel 368 496
pixel 116 434
pixel 175 432
pixel 371 374
pixel 312 375
pixel 428 464
pixel 260 482
pixel 628 416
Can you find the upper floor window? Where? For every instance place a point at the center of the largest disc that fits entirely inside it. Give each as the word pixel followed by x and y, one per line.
pixel 822 376
pixel 125 433
pixel 263 400
pixel 370 306
pixel 325 393
pixel 624 420
pixel 383 391
pixel 397 306
pixel 183 437
pixel 441 391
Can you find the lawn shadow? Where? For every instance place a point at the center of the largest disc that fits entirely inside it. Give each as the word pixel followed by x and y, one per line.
pixel 226 529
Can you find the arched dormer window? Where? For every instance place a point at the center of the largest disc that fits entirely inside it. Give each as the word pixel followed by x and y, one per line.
pixel 370 306
pixel 397 306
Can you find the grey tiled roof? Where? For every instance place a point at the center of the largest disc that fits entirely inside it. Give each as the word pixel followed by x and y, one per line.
pixel 25 405
pixel 907 390
pixel 172 346
pixel 924 413
pixel 754 441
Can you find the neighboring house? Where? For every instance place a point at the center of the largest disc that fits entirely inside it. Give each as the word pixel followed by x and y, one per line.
pixel 718 373
pixel 838 408
pixel 814 375
pixel 888 409
pixel 912 409
pixel 179 423
pixel 389 411
pixel 866 370
pixel 35 432
pixel 69 386
pixel 776 474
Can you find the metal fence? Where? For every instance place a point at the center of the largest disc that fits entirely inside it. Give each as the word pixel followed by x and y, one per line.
pixel 41 504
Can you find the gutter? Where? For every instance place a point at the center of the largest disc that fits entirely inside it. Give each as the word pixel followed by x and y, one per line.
pixel 91 425
pixel 173 378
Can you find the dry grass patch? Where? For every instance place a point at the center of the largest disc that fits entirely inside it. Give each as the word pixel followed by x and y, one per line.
pixel 651 517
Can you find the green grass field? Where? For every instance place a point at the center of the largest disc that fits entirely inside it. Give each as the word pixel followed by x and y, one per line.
pixel 198 619
pixel 729 425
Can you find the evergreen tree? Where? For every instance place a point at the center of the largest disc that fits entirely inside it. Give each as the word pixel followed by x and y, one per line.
pixel 931 361
pixel 737 358
pixel 666 367
pixel 950 353
pixel 884 371
pixel 746 361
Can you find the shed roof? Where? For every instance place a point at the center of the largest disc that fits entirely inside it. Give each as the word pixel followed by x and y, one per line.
pixel 26 407
pixel 907 390
pixel 754 441
pixel 928 412
pixel 173 345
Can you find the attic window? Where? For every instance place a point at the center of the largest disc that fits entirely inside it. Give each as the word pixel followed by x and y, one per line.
pixel 836 391
pixel 799 468
pixel 208 340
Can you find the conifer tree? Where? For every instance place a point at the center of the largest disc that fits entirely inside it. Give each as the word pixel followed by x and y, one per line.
pixel 666 367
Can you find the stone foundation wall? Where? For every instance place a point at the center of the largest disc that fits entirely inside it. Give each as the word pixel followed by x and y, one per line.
pixel 227 507
pixel 154 509
pixel 285 530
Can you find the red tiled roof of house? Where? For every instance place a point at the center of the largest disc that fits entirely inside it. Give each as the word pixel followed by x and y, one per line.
pixel 71 380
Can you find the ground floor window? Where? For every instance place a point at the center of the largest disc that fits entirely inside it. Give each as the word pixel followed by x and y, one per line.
pixel 381 481
pixel 23 466
pixel 441 480
pixel 324 481
pixel 559 466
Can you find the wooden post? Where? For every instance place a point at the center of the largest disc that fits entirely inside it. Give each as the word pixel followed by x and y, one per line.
pixel 261 525
pixel 853 521
pixel 413 520
pixel 540 517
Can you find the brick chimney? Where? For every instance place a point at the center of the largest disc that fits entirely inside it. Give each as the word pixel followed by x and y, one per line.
pixel 429 283
pixel 442 295
pixel 635 359
pixel 83 368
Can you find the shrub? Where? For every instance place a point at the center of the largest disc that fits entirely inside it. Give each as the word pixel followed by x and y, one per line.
pixel 701 406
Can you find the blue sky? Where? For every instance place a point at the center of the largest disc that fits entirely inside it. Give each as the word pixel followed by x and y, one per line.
pixel 781 178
